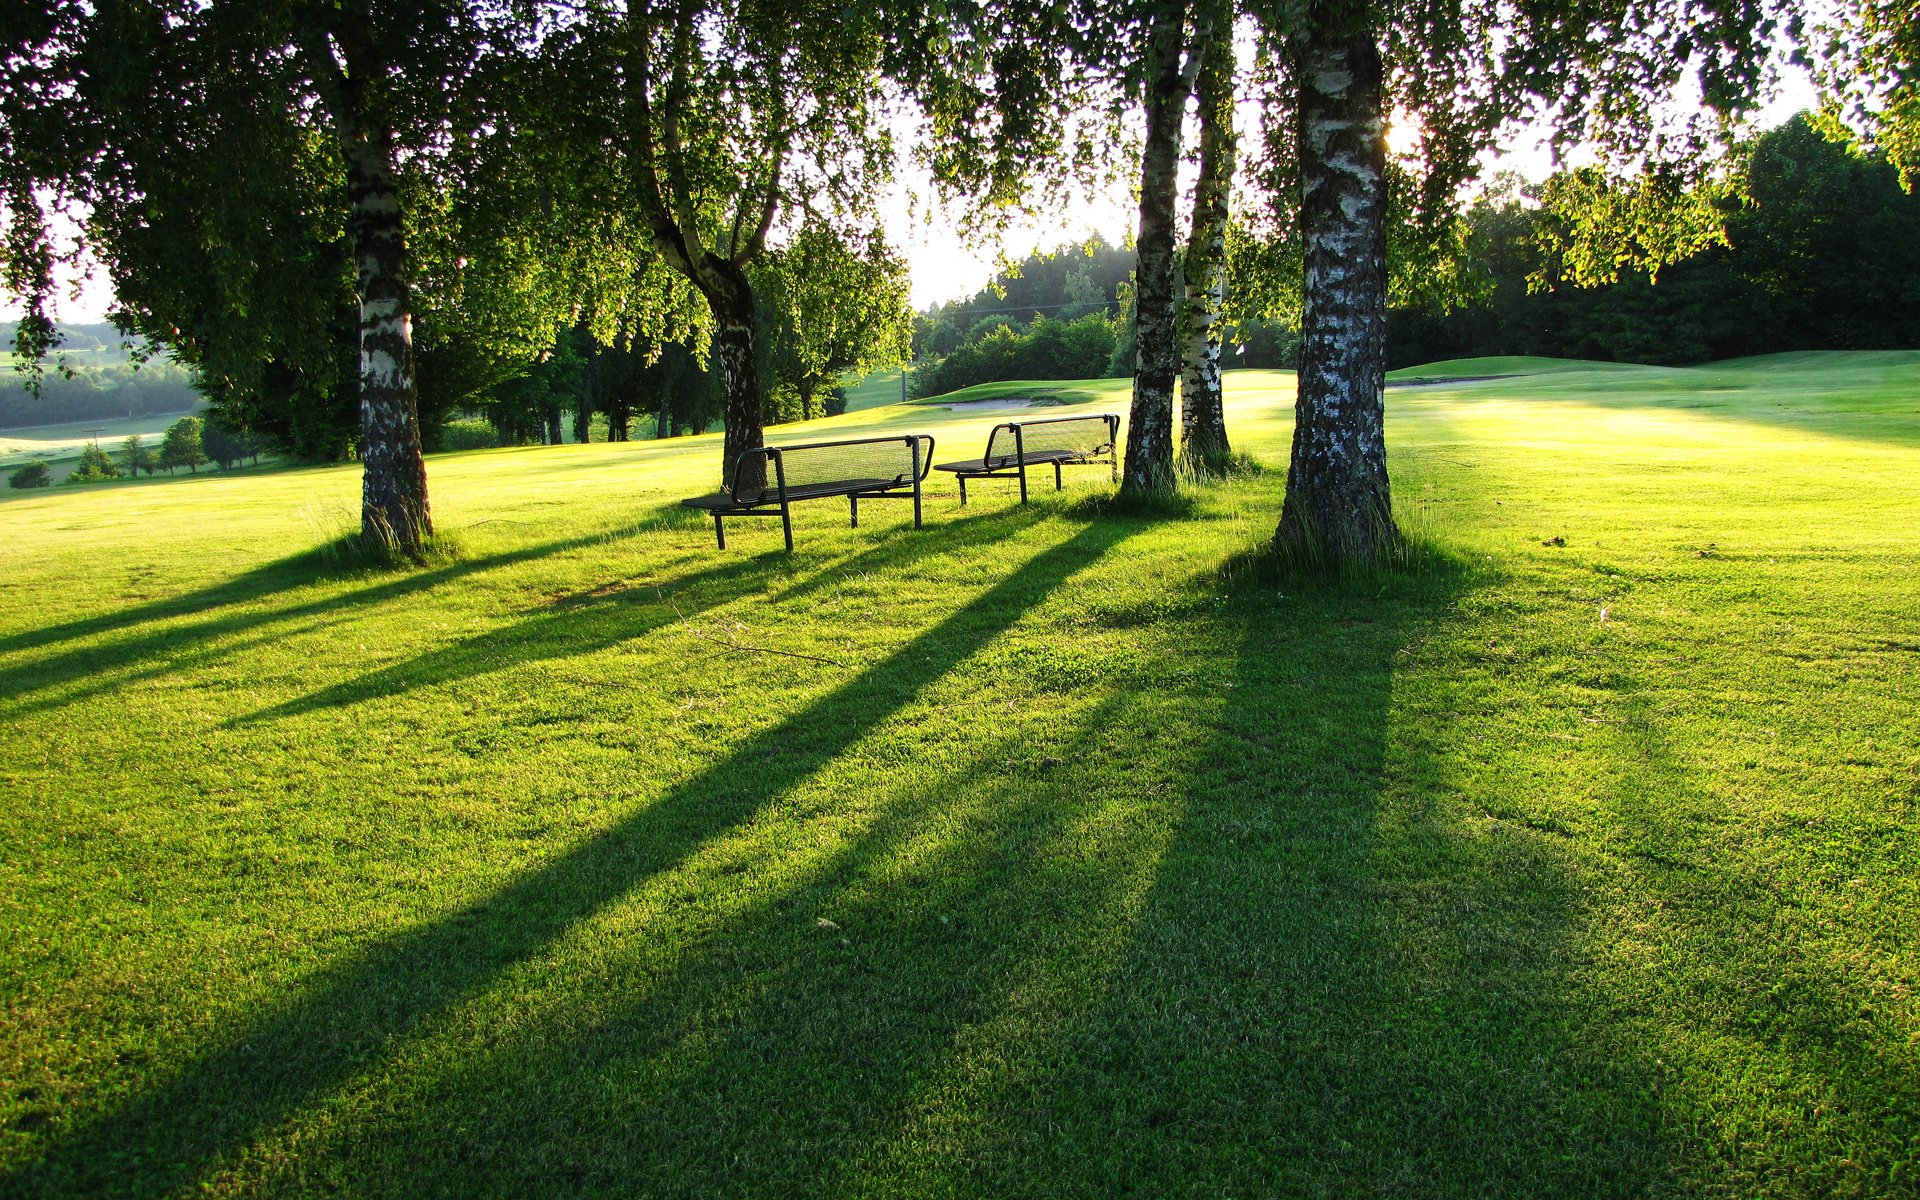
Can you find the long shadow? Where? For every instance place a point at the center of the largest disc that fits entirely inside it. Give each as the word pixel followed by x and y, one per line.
pixel 767 1047
pixel 570 631
pixel 259 584
pixel 1329 989
pixel 349 1017
pixel 1796 993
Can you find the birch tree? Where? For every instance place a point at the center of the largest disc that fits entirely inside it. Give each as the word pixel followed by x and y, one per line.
pixel 241 132
pixel 1204 445
pixel 1148 466
pixel 1603 74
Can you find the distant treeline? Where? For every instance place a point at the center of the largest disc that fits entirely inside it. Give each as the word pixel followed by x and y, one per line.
pixel 1066 284
pixel 93 377
pixel 1823 253
pixel 1066 314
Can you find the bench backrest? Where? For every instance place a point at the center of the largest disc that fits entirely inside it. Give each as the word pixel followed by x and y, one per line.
pixel 1083 437
pixel 869 462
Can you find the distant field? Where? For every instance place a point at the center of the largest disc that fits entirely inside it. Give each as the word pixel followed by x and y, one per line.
pixel 1044 851
pixel 60 445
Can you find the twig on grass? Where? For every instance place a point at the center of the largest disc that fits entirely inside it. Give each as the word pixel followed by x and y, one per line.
pixel 740 647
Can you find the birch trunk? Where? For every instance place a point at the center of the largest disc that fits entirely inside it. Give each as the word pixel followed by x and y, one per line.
pixel 1338 505
pixel 1149 461
pixel 730 295
pixel 1202 412
pixel 393 498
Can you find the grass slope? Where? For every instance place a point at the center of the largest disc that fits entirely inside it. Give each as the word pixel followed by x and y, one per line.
pixel 1499 366
pixel 1077 855
pixel 877 390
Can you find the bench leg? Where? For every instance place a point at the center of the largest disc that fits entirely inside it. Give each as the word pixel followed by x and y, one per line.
pixel 1056 477
pixel 963 491
pixel 916 504
pixel 786 526
pixel 719 531
pixel 1023 482
pixel 853 505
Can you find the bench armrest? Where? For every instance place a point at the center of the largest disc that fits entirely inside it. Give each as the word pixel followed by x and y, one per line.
pixel 757 495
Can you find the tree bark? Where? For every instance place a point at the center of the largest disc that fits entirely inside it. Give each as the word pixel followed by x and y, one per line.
pixel 730 295
pixel 1149 461
pixel 1338 505
pixel 1202 411
pixel 393 498
pixel 393 492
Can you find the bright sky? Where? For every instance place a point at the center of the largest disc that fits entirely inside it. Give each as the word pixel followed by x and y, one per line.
pixel 945 266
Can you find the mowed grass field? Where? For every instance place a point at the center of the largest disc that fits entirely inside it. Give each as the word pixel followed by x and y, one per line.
pixel 1044 851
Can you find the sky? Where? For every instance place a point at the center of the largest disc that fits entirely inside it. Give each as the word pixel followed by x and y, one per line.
pixel 944 265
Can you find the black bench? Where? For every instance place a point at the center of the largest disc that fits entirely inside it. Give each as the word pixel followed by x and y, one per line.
pixel 1055 441
pixel 767 481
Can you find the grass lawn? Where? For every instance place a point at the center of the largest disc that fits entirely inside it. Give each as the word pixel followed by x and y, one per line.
pixel 874 391
pixel 1040 852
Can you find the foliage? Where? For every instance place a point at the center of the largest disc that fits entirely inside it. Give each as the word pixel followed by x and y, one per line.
pixel 95 465
pixel 1870 84
pixel 94 387
pixel 226 446
pixel 1046 349
pixel 136 457
pixel 1818 249
pixel 183 445
pixel 827 308
pixel 1068 282
pixel 35 474
pixel 468 433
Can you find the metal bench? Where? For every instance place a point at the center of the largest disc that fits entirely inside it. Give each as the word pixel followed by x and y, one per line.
pixel 767 481
pixel 1054 441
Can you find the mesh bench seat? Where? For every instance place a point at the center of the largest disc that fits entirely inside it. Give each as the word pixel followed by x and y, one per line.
pixel 769 480
pixel 1057 442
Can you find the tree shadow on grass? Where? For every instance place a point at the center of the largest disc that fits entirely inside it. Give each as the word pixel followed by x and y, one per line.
pixel 1331 988
pixel 561 629
pixel 349 1017
pixel 222 609
pixel 1219 931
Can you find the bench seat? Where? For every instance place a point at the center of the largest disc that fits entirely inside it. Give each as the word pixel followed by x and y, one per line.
pixel 859 469
pixel 1054 442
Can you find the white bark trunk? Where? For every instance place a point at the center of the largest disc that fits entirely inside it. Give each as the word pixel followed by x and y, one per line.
pixel 1202 411
pixel 1338 504
pixel 1149 460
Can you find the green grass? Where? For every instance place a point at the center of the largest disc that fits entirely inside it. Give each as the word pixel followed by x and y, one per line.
pixel 873 391
pixel 1081 855
pixel 1498 367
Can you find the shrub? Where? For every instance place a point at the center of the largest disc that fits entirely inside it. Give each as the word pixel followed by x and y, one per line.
pixel 469 433
pixel 94 466
pixel 32 475
pixel 1046 349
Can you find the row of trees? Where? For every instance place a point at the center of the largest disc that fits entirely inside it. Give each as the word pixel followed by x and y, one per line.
pixel 279 189
pixel 188 442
